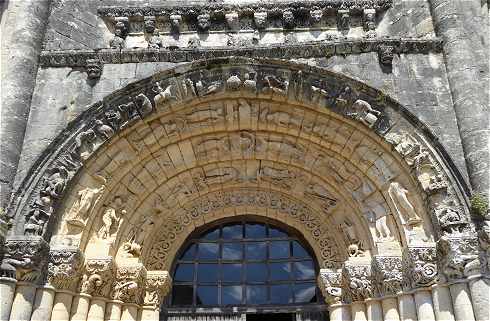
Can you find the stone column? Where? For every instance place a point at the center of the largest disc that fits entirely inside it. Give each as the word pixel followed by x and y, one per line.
pixel 443 306
pixel 7 290
pixel 21 45
pixel 43 304
pixel 387 275
pixel 129 287
pixel 406 305
pixel 466 58
pixel 356 285
pixel 64 271
pixel 480 296
pixel 463 309
pixel 80 306
pixel 158 284
pixel 330 283
pixel 374 312
pixel 339 312
pixel 425 307
pixel 113 310
pixel 96 311
pixel 25 257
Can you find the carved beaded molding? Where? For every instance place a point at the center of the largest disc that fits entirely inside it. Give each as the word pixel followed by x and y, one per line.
pixel 34 210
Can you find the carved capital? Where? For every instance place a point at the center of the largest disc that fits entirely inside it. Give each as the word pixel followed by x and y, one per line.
pixel 457 256
pixel 25 258
pixel 356 282
pixel 419 266
pixel 158 284
pixel 387 274
pixel 129 283
pixel 98 276
pixel 64 267
pixel 330 283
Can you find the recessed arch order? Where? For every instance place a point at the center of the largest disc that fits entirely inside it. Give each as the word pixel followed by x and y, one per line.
pixel 336 159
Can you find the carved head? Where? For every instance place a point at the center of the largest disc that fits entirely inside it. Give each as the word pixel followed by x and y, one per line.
pixel 203 22
pixel 232 20
pixel 288 19
pixel 94 68
pixel 149 24
pixel 369 18
pixel 260 19
pixel 343 19
pixel 386 53
pixel 316 15
pixel 175 21
pixel 121 28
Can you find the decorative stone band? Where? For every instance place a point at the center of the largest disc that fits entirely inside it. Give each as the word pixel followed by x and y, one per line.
pixel 458 256
pixel 24 259
pixel 98 276
pixel 356 281
pixel 158 285
pixel 64 267
pixel 330 283
pixel 129 283
pixel 386 47
pixel 419 266
pixel 387 274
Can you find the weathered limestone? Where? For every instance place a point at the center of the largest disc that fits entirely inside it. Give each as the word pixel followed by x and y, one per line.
pixel 443 308
pixel 43 304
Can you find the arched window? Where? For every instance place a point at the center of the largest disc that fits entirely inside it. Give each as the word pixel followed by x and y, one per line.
pixel 245 264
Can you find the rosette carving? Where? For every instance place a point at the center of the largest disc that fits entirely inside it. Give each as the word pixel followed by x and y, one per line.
pixel 129 283
pixel 388 276
pixel 64 267
pixel 98 276
pixel 330 283
pixel 419 266
pixel 158 284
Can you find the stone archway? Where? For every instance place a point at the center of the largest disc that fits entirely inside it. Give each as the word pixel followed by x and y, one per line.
pixel 124 185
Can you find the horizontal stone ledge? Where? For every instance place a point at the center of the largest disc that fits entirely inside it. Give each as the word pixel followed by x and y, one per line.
pixel 78 58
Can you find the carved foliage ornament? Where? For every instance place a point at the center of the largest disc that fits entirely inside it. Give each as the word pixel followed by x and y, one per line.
pixel 419 266
pixel 387 272
pixel 64 267
pixel 129 283
pixel 356 282
pixel 98 276
pixel 158 284
pixel 330 283
pixel 458 256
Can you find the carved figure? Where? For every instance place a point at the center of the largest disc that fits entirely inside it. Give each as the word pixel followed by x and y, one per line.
pixel 163 96
pixel 319 192
pixel 103 130
pixel 250 83
pixel 78 213
pixel 280 177
pixel 203 22
pixel 233 83
pixel 175 21
pixel 120 33
pixel 386 54
pixel 451 219
pixel 114 118
pixel 55 183
pixel 111 218
pixel 94 68
pixel 369 22
pixel 143 105
pixel 232 21
pixel 363 112
pixel 155 41
pixel 399 197
pixel 149 22
pixel 343 19
pixel 316 15
pixel 38 216
pixel 194 42
pixel 288 19
pixel 85 143
pixel 204 88
pixel 260 20
pixel 380 221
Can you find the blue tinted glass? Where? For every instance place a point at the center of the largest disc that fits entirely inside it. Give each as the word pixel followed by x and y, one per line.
pixel 232 251
pixel 208 251
pixel 213 235
pixel 304 270
pixel 299 251
pixel 182 294
pixel 281 294
pixel 207 295
pixel 256 272
pixel 232 272
pixel 184 272
pixel 274 232
pixel 231 294
pixel 232 232
pixel 304 292
pixel 256 251
pixel 255 231
pixel 280 271
pixel 279 250
pixel 190 253
pixel 207 272
pixel 256 294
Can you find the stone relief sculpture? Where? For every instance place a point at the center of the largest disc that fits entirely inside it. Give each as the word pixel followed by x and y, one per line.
pixel 362 111
pixel 203 22
pixel 98 276
pixel 87 197
pixel 175 23
pixel 399 197
pixel 331 286
pixel 112 218
pixel 120 33
pixel 378 221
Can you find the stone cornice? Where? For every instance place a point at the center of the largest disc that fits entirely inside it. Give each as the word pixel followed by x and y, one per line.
pixel 78 58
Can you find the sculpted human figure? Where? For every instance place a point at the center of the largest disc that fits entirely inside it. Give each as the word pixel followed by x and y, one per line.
pixel 79 211
pixel 399 197
pixel 362 111
pixel 111 218
pixel 55 183
pixel 381 229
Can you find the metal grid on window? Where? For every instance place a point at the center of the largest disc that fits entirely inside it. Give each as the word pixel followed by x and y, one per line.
pixel 244 263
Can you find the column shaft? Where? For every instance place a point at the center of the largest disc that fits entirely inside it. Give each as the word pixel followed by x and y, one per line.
pixel 463 309
pixel 340 313
pixel 390 309
pixel 43 304
pixel 23 302
pixel 80 306
pixel 113 311
pixel 374 311
pixel 480 293
pixel 62 306
pixel 358 311
pixel 425 307
pixel 96 310
pixel 150 313
pixel 406 304
pixel 129 313
pixel 7 292
pixel 443 306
